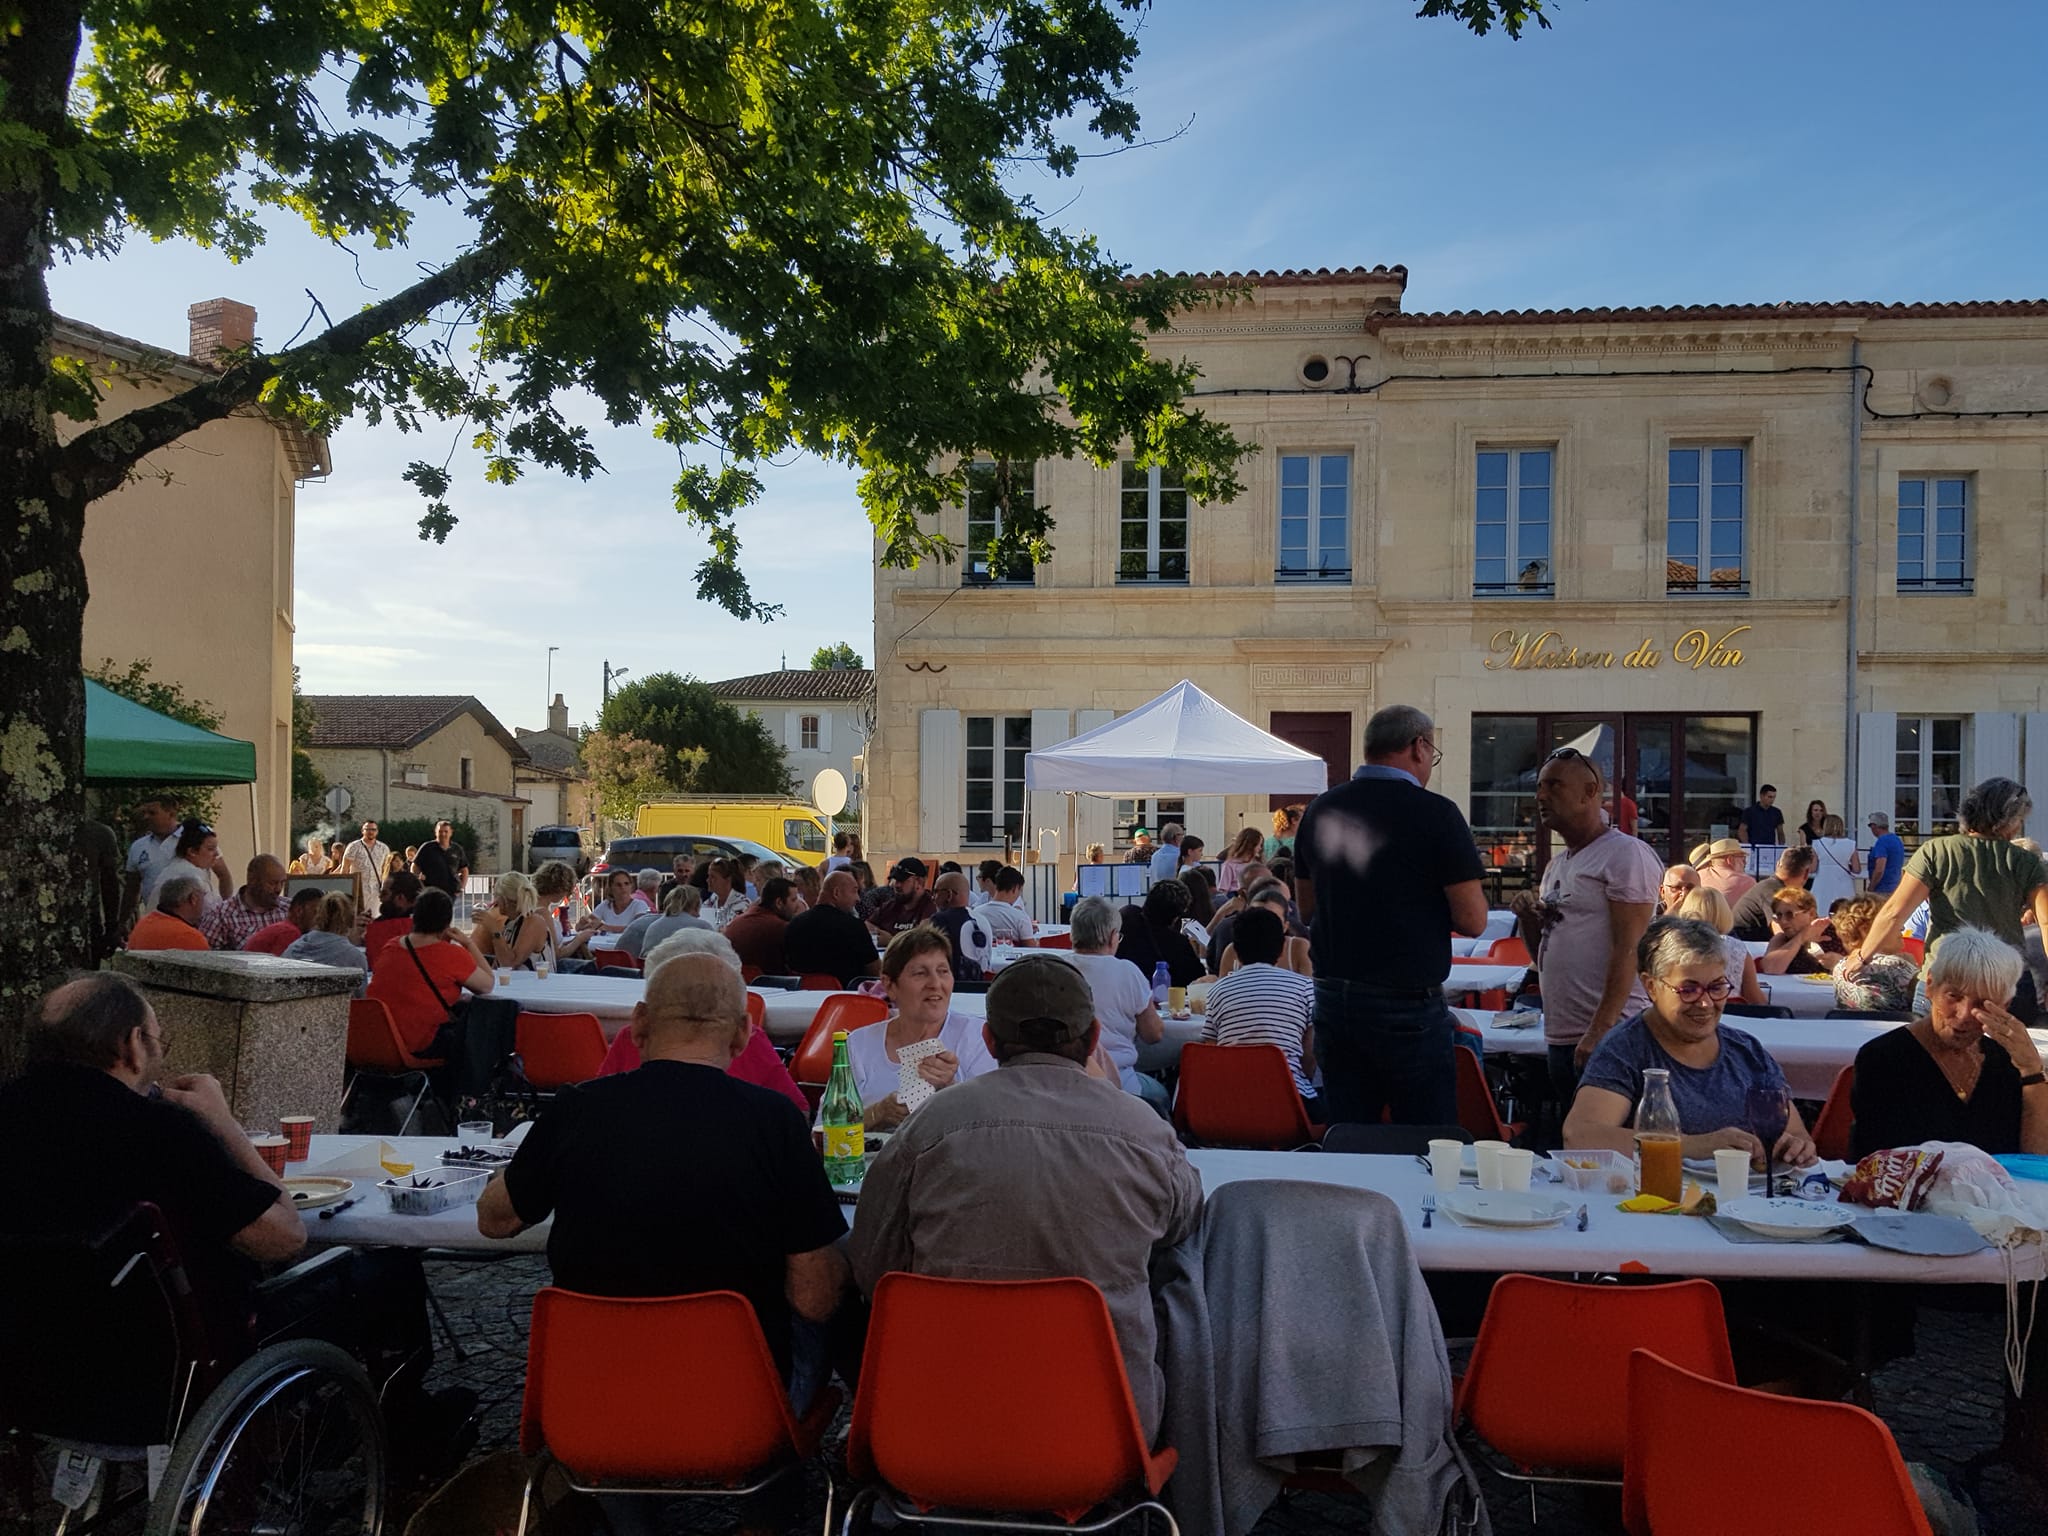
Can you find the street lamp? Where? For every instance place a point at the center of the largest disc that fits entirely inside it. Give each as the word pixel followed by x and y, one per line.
pixel 612 675
pixel 551 674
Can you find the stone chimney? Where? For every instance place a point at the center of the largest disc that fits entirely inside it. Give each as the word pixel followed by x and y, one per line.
pixel 558 717
pixel 219 325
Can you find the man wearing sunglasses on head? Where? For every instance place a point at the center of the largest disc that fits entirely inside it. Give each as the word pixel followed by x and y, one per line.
pixel 1596 901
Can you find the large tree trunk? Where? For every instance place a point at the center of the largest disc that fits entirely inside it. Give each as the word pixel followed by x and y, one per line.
pixel 43 890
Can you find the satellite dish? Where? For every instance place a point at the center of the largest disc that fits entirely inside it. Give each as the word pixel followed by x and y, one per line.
pixel 828 791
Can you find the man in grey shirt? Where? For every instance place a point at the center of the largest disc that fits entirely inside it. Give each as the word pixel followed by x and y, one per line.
pixel 678 911
pixel 1041 1168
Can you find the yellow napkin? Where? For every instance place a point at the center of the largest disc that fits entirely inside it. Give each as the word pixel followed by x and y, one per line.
pixel 1652 1205
pixel 1695 1202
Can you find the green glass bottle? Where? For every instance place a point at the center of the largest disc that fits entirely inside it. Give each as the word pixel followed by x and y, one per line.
pixel 842 1115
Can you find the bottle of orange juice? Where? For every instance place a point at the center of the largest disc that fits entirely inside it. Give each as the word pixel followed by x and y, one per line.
pixel 1660 1170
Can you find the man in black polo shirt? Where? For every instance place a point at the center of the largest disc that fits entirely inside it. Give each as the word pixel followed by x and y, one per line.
pixel 676 1178
pixel 443 864
pixel 1386 872
pixel 828 940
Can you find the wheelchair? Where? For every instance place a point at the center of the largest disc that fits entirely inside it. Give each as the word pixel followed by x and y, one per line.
pixel 104 1353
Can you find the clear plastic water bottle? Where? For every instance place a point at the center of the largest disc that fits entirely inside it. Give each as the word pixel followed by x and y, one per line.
pixel 1162 983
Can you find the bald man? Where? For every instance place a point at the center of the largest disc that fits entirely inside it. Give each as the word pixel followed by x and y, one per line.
pixel 971 936
pixel 678 1178
pixel 1679 882
pixel 258 904
pixel 828 939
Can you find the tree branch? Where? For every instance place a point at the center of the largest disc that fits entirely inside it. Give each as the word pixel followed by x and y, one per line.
pixel 97 462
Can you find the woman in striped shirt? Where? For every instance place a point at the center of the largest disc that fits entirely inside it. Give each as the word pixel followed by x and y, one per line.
pixel 1260 1003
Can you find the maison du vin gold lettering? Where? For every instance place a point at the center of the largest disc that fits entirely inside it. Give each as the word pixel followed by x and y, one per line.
pixel 1545 650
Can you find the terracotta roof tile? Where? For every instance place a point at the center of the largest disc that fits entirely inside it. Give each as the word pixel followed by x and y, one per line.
pixel 1300 277
pixel 1969 309
pixel 397 719
pixel 807 685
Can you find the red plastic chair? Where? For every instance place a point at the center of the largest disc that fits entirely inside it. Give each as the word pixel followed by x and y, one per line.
pixel 559 1048
pixel 701 1413
pixel 818 981
pixel 1914 950
pixel 1057 941
pixel 375 1049
pixel 1576 1340
pixel 1508 951
pixel 1836 1119
pixel 750 973
pixel 1241 1096
pixel 615 960
pixel 1477 1110
pixel 953 1368
pixel 1777 1464
pixel 812 1063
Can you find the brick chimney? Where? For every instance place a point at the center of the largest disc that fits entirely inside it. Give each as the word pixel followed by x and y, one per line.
pixel 219 325
pixel 558 717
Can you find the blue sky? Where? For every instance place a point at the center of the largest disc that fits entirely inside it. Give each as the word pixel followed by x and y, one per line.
pixel 1642 151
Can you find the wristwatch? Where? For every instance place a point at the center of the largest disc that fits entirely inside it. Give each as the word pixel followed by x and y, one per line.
pixel 2032 1078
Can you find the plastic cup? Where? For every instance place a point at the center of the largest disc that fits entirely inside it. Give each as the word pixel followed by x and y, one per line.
pixel 474 1133
pixel 1446 1159
pixel 298 1134
pixel 272 1150
pixel 504 976
pixel 1487 1155
pixel 1516 1164
pixel 1176 1000
pixel 1731 1173
pixel 540 970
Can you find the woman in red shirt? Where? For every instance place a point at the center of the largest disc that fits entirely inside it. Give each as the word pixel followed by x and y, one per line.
pixel 420 975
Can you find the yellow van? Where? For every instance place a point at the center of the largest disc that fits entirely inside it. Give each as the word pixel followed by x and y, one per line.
pixel 793 830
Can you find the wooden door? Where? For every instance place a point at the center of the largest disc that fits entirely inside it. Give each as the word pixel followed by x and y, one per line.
pixel 1325 733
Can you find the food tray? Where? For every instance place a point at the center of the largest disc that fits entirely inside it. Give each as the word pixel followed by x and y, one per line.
pixel 424 1194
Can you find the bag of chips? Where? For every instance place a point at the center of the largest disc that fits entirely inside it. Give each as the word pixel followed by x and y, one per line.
pixel 1898 1179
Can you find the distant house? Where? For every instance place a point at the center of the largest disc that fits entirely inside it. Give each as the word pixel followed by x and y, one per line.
pixel 440 755
pixel 551 779
pixel 819 715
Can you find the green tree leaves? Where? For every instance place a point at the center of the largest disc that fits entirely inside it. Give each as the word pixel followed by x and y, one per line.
pixel 826 657
pixel 679 716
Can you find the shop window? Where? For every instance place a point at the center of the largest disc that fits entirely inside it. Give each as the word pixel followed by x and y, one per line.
pixel 1706 511
pixel 1928 778
pixel 1512 523
pixel 996 745
pixel 1315 517
pixel 1934 534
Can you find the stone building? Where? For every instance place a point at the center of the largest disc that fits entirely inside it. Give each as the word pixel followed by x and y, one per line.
pixel 1718 546
pixel 819 716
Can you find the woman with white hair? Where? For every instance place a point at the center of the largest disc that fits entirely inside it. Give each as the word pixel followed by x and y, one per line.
pixel 1966 1070
pixel 1122 993
pixel 1976 878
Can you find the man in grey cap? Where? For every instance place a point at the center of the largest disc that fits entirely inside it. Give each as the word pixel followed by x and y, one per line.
pixel 1040 1168
pixel 1887 856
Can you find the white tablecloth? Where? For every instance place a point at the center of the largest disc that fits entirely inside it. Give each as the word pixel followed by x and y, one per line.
pixel 1499 925
pixel 611 998
pixel 1663 1245
pixel 1482 978
pixel 1807 999
pixel 370 1223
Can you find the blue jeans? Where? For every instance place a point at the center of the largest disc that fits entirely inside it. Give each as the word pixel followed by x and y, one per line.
pixel 1385 1049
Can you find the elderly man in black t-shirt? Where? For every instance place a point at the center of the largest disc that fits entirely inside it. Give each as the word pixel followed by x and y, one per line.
pixel 676 1178
pixel 443 864
pixel 829 940
pixel 1386 872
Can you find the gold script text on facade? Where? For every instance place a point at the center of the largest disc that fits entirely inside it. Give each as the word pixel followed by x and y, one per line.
pixel 1545 651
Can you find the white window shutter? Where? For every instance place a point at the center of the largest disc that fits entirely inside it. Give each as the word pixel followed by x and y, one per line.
pixel 1091 812
pixel 939 786
pixel 1204 818
pixel 2035 734
pixel 1048 807
pixel 1877 740
pixel 1995 743
pixel 792 729
pixel 824 730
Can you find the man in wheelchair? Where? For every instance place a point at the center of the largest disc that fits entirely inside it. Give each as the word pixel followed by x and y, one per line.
pixel 95 1126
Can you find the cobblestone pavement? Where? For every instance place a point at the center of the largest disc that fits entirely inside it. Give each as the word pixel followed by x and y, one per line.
pixel 1943 1404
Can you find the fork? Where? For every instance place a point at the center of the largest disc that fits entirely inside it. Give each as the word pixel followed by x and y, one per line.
pixel 1428 1210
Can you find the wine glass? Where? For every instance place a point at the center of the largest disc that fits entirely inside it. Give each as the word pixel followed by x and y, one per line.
pixel 1769 1110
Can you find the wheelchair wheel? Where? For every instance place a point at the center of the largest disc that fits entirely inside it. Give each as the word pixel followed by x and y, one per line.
pixel 290 1444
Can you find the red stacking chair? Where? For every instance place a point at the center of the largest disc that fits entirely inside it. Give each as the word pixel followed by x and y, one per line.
pixel 559 1048
pixel 1240 1096
pixel 701 1413
pixel 1477 1111
pixel 1777 1463
pixel 1576 1340
pixel 1057 941
pixel 954 1367
pixel 615 960
pixel 812 1063
pixel 1508 951
pixel 817 981
pixel 1914 950
pixel 1836 1119
pixel 374 1048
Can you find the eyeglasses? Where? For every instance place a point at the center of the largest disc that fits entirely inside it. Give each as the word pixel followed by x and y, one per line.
pixel 1692 991
pixel 1436 753
pixel 161 1039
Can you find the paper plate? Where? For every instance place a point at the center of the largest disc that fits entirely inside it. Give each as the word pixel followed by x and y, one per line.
pixel 1505 1207
pixel 309 1190
pixel 1782 1217
pixel 1921 1232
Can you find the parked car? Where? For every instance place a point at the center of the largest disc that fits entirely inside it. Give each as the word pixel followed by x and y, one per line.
pixel 638 853
pixel 564 843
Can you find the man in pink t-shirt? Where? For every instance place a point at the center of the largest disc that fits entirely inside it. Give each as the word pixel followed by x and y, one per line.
pixel 1597 899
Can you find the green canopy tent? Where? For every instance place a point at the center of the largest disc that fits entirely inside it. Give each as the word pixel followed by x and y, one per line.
pixel 126 743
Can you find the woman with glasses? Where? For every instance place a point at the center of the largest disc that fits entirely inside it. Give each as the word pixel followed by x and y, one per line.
pixel 1713 1068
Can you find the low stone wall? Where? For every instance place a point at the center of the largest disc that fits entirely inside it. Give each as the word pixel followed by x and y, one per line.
pixel 275 1032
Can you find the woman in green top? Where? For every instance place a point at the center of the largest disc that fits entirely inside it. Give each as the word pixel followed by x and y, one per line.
pixel 1976 878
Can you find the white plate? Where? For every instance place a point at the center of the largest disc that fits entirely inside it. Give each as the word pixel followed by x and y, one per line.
pixel 1505 1208
pixel 1782 1217
pixel 310 1190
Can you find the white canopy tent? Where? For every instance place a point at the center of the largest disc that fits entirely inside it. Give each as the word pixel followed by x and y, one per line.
pixel 1182 743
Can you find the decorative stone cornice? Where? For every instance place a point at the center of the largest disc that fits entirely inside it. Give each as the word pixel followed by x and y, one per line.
pixel 1498 346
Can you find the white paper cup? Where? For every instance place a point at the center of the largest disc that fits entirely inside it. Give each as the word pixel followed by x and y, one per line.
pixel 1446 1158
pixel 1516 1164
pixel 1487 1155
pixel 1731 1173
pixel 473 1133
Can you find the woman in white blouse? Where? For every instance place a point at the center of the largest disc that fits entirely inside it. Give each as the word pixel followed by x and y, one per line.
pixel 918 967
pixel 725 893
